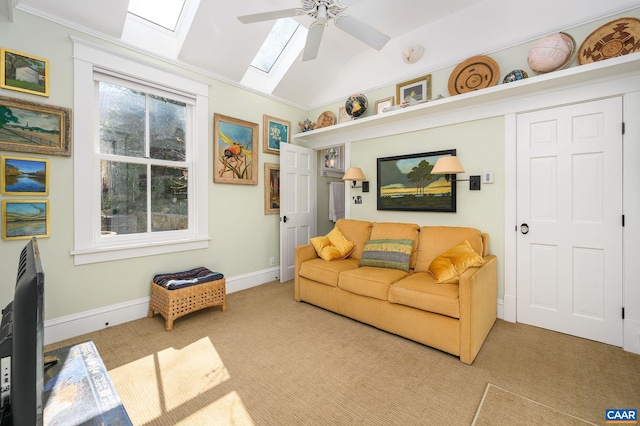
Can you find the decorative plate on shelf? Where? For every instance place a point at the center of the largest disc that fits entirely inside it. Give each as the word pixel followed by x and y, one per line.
pixel 477 72
pixel 615 38
pixel 326 119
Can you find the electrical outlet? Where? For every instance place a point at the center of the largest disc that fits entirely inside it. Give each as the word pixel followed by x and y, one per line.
pixel 272 261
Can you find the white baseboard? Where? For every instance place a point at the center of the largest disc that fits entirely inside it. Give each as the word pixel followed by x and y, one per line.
pixel 631 336
pixel 96 319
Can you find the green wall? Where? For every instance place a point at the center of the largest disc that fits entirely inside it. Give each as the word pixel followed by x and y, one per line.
pixel 243 238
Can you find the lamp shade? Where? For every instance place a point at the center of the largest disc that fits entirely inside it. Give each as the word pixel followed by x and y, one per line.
pixel 355 174
pixel 447 166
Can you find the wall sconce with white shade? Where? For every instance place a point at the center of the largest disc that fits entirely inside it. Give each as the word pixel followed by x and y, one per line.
pixel 355 174
pixel 450 165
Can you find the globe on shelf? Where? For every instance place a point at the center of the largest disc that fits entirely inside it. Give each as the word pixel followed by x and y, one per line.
pixel 356 105
pixel 551 52
pixel 515 75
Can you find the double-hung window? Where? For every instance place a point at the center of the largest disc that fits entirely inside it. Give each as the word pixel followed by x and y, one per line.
pixel 140 185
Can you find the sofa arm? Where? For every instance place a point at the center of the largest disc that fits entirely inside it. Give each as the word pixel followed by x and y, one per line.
pixel 302 253
pixel 478 291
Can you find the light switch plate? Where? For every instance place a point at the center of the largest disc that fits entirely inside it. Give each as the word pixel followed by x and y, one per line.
pixel 487 177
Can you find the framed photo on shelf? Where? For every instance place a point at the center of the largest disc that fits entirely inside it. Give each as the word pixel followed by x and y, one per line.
pixel 274 132
pixel 25 219
pixel 235 153
pixel 24 176
pixel 381 104
pixel 416 90
pixel 24 73
pixel 343 116
pixel 34 127
pixel 405 182
pixel 271 188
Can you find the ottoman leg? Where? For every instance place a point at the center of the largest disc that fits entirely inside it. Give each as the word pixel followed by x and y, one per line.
pixel 169 325
pixel 150 314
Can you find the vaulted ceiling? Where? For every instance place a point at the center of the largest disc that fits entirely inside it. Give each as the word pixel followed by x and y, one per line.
pixel 213 41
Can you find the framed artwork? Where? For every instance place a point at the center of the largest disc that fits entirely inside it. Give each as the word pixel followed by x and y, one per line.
pixel 405 182
pixel 343 116
pixel 24 176
pixel 381 104
pixel 24 73
pixel 274 132
pixel 416 90
pixel 25 219
pixel 235 157
pixel 271 188
pixel 34 128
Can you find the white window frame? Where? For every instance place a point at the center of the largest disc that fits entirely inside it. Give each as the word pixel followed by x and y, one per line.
pixel 89 245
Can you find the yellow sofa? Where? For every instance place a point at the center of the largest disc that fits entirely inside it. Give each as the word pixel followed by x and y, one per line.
pixel 454 317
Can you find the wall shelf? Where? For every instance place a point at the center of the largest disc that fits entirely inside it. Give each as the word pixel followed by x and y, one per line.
pixel 490 102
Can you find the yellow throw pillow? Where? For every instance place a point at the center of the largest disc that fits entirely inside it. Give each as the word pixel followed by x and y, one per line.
pixel 447 267
pixel 332 246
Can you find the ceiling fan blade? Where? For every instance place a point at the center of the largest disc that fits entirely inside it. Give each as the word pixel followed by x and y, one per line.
pixel 363 32
pixel 268 16
pixel 312 45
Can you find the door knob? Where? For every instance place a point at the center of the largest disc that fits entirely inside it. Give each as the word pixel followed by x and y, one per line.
pixel 524 228
pixel 284 219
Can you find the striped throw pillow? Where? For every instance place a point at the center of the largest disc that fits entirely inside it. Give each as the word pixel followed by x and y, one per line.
pixel 388 253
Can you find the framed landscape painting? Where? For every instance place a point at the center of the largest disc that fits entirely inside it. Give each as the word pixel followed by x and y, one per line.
pixel 275 131
pixel 35 128
pixel 25 219
pixel 24 73
pixel 405 182
pixel 24 176
pixel 235 157
pixel 416 90
pixel 271 188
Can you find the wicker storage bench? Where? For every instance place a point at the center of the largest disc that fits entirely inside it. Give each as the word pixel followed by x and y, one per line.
pixel 175 302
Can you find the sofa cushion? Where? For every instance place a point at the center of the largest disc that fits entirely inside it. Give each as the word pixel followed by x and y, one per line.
pixel 326 272
pixel 435 240
pixel 447 267
pixel 388 253
pixel 356 231
pixel 332 246
pixel 420 291
pixel 370 281
pixel 393 230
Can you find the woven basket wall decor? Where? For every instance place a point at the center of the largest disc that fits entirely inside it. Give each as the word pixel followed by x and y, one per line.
pixel 477 72
pixel 616 38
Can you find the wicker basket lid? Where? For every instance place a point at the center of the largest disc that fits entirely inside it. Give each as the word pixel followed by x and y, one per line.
pixel 615 38
pixel 475 73
pixel 326 119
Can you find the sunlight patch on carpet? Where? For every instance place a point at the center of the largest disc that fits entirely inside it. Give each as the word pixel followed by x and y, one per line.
pixel 501 407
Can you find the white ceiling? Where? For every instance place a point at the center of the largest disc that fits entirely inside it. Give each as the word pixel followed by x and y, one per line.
pixel 450 31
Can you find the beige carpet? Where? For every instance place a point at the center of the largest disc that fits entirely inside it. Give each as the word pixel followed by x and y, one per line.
pixel 269 360
pixel 501 407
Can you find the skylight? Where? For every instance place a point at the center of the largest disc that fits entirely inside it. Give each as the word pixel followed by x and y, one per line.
pixel 275 44
pixel 164 13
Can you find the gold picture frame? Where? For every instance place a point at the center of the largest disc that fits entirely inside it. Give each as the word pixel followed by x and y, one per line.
pixel 271 188
pixel 235 153
pixel 22 219
pixel 381 104
pixel 274 132
pixel 33 127
pixel 24 176
pixel 24 73
pixel 416 90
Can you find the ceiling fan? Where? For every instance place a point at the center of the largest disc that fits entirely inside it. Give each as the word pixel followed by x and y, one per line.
pixel 323 11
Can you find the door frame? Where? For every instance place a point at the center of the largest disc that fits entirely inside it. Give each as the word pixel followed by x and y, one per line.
pixel 629 88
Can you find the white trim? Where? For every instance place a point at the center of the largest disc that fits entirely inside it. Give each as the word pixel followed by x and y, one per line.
pixel 631 336
pixel 510 217
pixel 70 326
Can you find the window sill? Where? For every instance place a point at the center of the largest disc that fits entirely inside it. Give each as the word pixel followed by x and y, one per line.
pixel 107 254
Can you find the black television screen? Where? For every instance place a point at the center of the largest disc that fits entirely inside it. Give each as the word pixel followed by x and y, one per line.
pixel 27 354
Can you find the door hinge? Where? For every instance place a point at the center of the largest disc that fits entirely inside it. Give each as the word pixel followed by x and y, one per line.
pixel 623 127
pixel 623 312
pixel 622 220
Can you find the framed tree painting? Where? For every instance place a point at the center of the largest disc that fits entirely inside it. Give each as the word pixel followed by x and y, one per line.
pixel 34 127
pixel 405 182
pixel 271 188
pixel 25 219
pixel 24 73
pixel 24 176
pixel 275 131
pixel 235 157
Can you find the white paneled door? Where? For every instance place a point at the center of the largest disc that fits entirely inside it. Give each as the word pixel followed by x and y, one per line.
pixel 569 209
pixel 298 193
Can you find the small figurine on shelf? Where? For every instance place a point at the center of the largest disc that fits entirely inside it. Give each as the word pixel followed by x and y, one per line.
pixel 307 125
